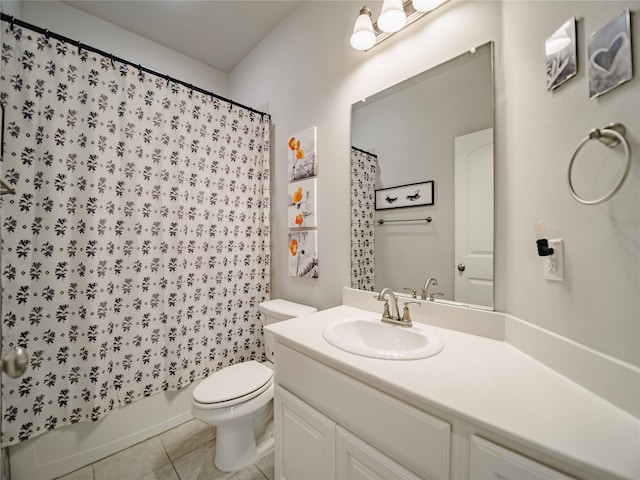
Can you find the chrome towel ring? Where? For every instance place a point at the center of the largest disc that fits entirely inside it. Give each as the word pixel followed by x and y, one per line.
pixel 611 136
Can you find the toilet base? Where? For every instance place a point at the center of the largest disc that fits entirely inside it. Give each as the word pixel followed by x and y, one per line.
pixel 230 440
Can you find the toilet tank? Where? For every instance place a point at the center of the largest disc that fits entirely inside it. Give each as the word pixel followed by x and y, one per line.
pixel 276 311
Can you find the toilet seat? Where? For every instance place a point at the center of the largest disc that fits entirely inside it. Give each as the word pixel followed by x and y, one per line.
pixel 233 384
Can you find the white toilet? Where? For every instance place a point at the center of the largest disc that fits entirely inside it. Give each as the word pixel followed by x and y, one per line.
pixel 238 400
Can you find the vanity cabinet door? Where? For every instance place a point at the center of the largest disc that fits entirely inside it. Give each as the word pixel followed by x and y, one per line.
pixel 491 461
pixel 305 440
pixel 356 459
pixel 416 439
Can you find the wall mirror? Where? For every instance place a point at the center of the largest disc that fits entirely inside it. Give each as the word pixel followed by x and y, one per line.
pixel 422 183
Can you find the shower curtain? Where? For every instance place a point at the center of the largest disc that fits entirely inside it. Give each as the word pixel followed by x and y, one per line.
pixel 363 178
pixel 136 248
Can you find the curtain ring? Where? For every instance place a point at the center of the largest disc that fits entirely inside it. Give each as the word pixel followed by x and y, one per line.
pixel 11 23
pixel 611 136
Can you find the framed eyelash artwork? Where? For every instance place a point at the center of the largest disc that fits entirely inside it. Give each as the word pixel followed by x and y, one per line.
pixel 411 195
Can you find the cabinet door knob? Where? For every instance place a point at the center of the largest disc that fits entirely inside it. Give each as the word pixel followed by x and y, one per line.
pixel 461 267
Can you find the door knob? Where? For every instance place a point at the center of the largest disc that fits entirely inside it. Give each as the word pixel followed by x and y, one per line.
pixel 461 267
pixel 15 362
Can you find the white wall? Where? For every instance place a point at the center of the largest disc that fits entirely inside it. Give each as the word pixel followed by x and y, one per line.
pixel 308 75
pixel 72 23
pixel 599 303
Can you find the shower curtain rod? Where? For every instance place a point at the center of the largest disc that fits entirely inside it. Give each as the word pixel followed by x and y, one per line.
pixel 364 151
pixel 14 21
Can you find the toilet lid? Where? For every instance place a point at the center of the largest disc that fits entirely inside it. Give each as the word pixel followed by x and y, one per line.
pixel 242 380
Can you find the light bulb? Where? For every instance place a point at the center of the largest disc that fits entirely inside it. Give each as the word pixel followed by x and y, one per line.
pixel 427 5
pixel 363 37
pixel 392 17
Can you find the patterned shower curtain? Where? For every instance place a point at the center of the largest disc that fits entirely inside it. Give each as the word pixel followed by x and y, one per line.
pixel 136 248
pixel 363 178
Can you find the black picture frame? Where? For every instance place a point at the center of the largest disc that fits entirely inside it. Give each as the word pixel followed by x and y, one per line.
pixel 404 196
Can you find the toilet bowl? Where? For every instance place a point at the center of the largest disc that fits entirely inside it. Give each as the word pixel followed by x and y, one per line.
pixel 238 399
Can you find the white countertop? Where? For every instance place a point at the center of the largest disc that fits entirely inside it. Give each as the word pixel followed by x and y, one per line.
pixel 492 384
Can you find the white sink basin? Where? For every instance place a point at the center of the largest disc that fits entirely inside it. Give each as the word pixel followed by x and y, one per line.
pixel 369 337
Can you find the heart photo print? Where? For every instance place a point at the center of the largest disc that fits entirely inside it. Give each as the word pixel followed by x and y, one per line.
pixel 609 56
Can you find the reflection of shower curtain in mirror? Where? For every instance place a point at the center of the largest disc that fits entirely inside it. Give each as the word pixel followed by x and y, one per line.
pixel 363 177
pixel 136 248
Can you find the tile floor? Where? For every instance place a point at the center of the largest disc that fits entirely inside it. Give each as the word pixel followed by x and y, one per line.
pixel 183 453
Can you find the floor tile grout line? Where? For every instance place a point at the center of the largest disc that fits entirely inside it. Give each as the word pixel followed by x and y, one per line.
pixel 166 452
pixel 172 460
pixel 169 461
pixel 173 465
pixel 259 469
pixel 186 453
pixel 176 471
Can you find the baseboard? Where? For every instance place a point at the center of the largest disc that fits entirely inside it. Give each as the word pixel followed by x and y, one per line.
pixel 69 448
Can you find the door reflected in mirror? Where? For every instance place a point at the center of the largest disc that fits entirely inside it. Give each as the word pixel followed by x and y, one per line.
pixel 436 126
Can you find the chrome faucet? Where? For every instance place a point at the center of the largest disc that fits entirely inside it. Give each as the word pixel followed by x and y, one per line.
pixel 425 290
pixel 393 318
pixel 395 313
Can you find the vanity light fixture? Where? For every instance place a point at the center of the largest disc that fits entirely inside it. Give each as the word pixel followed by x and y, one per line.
pixel 394 16
pixel 427 5
pixel 363 36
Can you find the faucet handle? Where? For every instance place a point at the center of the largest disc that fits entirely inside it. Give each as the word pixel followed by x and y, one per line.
pixel 406 315
pixel 414 293
pixel 433 294
pixel 385 310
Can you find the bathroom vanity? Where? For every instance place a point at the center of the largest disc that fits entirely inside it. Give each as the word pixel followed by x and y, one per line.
pixel 478 409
